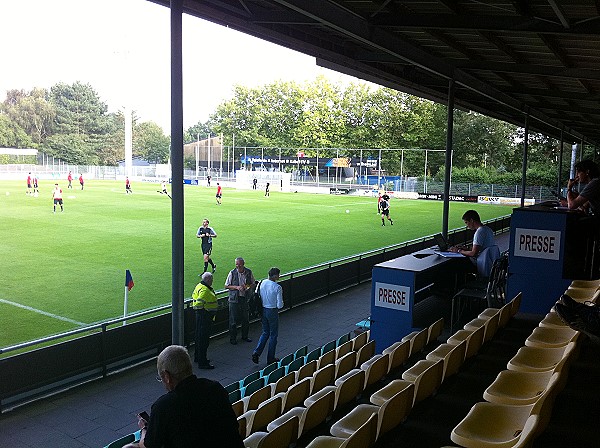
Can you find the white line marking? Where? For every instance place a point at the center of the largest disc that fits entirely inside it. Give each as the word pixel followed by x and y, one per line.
pixel 25 307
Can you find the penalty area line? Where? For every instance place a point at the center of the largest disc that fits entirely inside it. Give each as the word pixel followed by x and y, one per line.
pixel 54 316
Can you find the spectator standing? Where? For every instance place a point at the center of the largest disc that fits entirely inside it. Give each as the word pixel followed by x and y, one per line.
pixel 267 191
pixel 127 186
pixel 204 301
pixel 81 180
pixel 271 295
pixel 208 180
pixel 207 234
pixel 240 283
pixel 195 412
pixel 70 179
pixel 36 191
pixel 254 182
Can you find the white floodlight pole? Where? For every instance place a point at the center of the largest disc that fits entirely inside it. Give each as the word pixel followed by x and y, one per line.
pixel 425 177
pixel 233 151
pixel 209 161
pixel 128 140
pixel 197 155
pixel 221 158
pixel 317 167
pixel 379 171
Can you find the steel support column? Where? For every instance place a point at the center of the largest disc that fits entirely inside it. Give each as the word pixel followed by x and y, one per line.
pixel 525 151
pixel 448 159
pixel 177 173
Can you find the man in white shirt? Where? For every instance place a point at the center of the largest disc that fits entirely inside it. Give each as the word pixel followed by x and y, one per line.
pixel 271 295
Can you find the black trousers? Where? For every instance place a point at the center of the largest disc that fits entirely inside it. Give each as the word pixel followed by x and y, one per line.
pixel 204 320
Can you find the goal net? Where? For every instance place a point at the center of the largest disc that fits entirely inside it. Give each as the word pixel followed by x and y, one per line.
pixel 278 181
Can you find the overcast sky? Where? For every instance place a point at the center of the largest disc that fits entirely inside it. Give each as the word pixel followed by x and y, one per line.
pixel 122 49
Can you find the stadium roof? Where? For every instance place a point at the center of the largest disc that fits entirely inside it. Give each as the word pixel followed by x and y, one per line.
pixel 507 58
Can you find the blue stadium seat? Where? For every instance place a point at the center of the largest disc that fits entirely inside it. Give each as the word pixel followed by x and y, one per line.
pixel 328 347
pixel 122 441
pixel 253 376
pixel 343 338
pixel 295 364
pixel 269 369
pixel 313 355
pixel 258 383
pixel 301 352
pixel 233 386
pixel 286 360
pixel 235 395
pixel 275 375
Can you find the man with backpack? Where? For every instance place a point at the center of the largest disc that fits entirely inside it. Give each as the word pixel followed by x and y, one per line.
pixel 270 294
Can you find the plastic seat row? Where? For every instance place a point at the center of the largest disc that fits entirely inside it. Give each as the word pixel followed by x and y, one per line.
pixel 392 403
pixel 518 403
pixel 326 395
pixel 295 386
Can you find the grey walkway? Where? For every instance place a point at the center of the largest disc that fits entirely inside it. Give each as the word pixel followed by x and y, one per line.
pixel 97 413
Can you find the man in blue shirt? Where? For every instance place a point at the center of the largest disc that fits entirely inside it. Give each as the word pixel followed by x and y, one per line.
pixel 271 295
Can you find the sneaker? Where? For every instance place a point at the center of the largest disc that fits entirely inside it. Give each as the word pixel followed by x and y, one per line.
pixel 392 223
pixel 247 339
pixel 214 268
pixel 566 300
pixel 383 224
pixel 255 358
pixel 271 361
pixel 585 319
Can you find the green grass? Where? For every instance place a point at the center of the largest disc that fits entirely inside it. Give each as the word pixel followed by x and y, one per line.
pixel 72 264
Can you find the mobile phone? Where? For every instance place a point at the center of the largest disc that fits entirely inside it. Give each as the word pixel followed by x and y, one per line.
pixel 144 415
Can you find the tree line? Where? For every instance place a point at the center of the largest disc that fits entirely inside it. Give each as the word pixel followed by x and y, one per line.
pixel 72 123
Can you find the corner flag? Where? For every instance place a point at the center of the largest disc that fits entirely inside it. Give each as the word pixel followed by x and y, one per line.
pixel 128 280
pixel 128 286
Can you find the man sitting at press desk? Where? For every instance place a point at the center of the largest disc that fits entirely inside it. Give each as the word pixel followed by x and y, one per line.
pixel 586 173
pixel 483 239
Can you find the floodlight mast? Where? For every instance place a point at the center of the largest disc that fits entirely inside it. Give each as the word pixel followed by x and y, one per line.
pixel 128 139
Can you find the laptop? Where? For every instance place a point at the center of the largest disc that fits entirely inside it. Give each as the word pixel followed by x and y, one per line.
pixel 441 242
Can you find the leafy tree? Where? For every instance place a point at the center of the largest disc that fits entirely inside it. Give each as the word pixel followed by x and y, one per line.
pixel 31 111
pixel 12 135
pixel 81 118
pixel 150 142
pixel 74 148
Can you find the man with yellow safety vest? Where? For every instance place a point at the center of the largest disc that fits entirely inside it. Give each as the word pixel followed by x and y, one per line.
pixel 204 301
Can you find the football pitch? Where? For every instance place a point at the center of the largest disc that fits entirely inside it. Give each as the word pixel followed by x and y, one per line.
pixel 66 270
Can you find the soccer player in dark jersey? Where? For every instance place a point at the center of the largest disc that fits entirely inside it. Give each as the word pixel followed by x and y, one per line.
pixel 384 205
pixel 207 234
